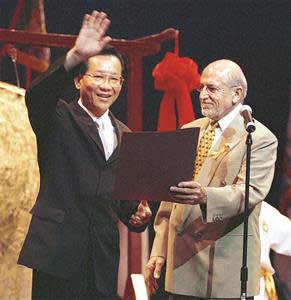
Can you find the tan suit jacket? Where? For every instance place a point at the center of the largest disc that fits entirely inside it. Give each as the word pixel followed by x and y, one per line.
pixel 204 250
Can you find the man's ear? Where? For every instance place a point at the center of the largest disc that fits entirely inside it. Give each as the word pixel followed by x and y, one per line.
pixel 77 81
pixel 237 94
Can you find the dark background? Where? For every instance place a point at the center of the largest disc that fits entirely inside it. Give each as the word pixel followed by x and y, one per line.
pixel 253 33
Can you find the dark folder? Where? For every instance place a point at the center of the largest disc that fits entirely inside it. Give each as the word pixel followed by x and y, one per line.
pixel 151 162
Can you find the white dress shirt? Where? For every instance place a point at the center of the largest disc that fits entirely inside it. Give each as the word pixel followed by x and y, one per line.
pixel 275 234
pixel 106 130
pixel 225 121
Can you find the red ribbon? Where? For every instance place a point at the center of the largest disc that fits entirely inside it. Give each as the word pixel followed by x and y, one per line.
pixel 177 77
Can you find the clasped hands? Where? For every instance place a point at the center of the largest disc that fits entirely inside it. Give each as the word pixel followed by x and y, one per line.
pixel 188 192
pixel 142 214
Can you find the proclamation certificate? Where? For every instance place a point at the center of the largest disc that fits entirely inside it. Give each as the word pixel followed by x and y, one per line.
pixel 150 162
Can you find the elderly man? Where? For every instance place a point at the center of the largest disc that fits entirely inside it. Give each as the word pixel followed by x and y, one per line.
pixel 199 235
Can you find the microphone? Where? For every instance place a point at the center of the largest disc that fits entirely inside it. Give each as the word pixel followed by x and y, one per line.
pixel 246 113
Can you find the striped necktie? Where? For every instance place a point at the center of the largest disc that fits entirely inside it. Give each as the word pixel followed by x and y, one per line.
pixel 204 147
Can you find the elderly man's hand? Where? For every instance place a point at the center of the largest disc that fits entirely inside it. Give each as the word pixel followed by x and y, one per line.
pixel 142 215
pixel 153 272
pixel 188 192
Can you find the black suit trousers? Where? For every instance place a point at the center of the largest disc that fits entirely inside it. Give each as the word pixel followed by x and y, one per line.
pixel 80 286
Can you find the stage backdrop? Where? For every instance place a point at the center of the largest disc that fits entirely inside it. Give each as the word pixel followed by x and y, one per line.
pixel 19 183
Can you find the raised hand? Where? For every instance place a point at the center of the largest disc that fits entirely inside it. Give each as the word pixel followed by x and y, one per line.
pixel 90 40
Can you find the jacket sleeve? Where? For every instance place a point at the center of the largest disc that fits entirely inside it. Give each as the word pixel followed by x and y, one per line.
pixel 160 244
pixel 44 93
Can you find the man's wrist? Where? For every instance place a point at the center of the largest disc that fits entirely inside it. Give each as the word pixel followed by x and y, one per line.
pixel 73 58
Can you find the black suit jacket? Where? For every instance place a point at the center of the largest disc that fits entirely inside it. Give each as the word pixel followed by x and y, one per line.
pixel 74 206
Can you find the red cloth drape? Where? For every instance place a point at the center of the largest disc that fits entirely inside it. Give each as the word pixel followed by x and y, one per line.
pixel 177 77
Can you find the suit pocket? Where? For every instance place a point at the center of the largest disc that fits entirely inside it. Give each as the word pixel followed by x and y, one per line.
pixel 48 213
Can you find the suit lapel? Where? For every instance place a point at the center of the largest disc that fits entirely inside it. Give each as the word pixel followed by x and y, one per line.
pixel 229 138
pixel 203 128
pixel 118 132
pixel 87 125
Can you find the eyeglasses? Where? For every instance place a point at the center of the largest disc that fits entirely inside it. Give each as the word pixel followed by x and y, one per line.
pixel 211 89
pixel 101 78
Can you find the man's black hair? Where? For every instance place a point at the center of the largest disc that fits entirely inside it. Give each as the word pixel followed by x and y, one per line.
pixel 107 50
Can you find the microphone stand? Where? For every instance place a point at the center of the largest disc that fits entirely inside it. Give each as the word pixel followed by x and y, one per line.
pixel 244 269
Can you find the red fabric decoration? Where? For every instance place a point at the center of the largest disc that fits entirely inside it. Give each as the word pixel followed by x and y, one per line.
pixel 177 77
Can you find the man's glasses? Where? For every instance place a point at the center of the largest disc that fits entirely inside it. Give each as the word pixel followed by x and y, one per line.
pixel 211 89
pixel 101 78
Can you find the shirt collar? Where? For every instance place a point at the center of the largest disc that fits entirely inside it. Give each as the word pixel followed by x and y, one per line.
pixel 226 120
pixel 99 120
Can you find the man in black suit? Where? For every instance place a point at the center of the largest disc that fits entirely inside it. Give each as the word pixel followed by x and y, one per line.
pixel 73 243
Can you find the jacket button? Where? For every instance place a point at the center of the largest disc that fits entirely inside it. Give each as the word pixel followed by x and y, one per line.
pixel 199 235
pixel 217 218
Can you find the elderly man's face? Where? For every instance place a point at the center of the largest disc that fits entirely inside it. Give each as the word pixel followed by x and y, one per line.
pixel 217 99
